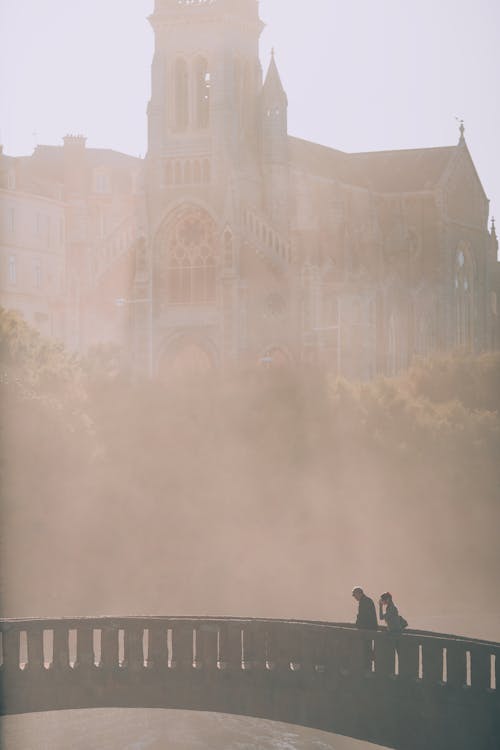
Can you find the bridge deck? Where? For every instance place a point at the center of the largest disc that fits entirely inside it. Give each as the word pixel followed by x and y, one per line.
pixel 412 691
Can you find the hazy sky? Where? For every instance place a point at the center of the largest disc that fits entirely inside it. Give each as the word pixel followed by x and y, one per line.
pixel 360 74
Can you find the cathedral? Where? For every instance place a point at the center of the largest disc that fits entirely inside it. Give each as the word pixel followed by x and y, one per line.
pixel 233 244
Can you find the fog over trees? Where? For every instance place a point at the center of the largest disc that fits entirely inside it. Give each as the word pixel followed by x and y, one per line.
pixel 257 493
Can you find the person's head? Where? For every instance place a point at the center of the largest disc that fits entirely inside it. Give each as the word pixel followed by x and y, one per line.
pixel 357 593
pixel 386 598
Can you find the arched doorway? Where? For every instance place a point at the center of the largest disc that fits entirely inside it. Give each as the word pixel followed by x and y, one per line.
pixel 274 357
pixel 186 356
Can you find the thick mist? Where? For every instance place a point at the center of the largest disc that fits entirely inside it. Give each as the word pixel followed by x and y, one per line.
pixel 264 493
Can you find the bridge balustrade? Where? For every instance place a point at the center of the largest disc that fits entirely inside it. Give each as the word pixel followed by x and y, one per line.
pixel 408 692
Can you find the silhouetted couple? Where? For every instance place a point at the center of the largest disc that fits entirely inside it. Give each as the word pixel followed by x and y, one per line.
pixel 388 612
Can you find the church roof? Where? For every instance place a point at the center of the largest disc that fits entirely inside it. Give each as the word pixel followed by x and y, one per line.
pixel 94 156
pixel 407 170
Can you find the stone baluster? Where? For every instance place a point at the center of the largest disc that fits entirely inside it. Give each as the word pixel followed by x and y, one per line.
pixel 230 656
pixel 133 647
pixel 284 646
pixel 35 649
pixel 344 645
pixel 332 653
pixel 385 650
pixel 60 656
pixel 158 647
pixel 182 646
pixel 254 645
pixel 480 668
pixel 353 651
pixel 109 647
pixel 408 655
pixel 312 649
pixel 206 646
pixel 11 644
pixel 432 661
pixel 456 664
pixel 295 640
pixel 84 647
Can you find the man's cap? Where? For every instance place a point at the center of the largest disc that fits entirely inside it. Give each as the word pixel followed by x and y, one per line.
pixel 356 589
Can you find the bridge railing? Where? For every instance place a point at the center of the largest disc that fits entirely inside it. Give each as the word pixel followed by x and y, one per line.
pixel 132 645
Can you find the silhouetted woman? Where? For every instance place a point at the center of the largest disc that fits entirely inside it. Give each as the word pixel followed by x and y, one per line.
pixel 395 623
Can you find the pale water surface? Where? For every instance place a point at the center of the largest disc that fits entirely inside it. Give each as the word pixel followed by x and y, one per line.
pixel 122 729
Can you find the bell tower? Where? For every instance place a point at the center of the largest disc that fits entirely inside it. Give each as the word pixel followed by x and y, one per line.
pixel 206 79
pixel 204 120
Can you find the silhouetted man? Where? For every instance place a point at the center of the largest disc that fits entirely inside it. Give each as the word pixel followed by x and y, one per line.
pixel 367 616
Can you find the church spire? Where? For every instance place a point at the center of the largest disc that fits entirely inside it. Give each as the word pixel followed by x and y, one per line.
pixel 273 91
pixel 493 235
pixel 461 141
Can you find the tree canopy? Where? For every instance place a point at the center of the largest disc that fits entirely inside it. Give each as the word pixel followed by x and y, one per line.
pixel 220 491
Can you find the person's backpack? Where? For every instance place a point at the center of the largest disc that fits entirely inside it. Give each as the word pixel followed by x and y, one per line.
pixel 402 622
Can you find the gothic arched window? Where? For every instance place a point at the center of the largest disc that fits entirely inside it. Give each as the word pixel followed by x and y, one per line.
pixel 191 259
pixel 169 173
pixel 203 85
pixel 424 334
pixel 206 171
pixel 464 290
pixel 181 95
pixel 228 249
pixel 392 347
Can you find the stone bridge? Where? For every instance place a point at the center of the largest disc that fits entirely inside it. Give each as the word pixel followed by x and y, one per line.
pixel 415 691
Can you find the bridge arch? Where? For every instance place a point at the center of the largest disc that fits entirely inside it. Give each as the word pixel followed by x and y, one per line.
pixel 416 691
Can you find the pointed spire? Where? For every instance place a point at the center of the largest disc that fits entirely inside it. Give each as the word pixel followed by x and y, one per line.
pixel 273 88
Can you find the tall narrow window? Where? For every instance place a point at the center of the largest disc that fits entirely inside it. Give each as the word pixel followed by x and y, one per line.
pixel 238 87
pixel 169 176
pixel 12 269
pixel 248 98
pixel 38 274
pixel 464 288
pixel 102 223
pixel 203 85
pixel 228 249
pixel 392 347
pixel 181 96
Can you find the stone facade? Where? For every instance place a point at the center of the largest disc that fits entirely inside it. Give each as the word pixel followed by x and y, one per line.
pixel 234 244
pixel 69 221
pixel 266 248
pixel 32 250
